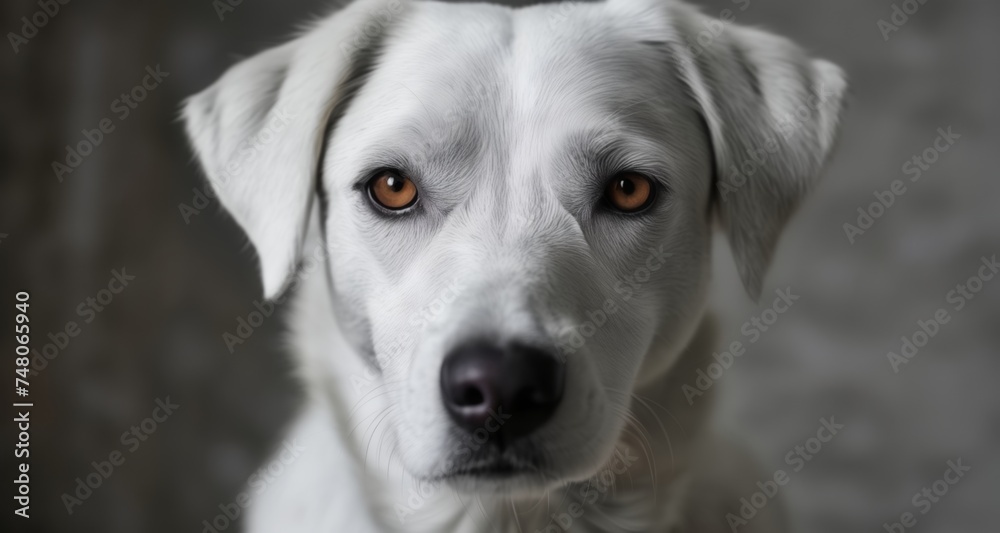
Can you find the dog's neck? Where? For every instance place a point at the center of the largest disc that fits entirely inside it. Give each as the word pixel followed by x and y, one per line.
pixel 632 491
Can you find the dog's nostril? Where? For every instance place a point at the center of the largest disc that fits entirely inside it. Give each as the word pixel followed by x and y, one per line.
pixel 518 388
pixel 535 396
pixel 470 396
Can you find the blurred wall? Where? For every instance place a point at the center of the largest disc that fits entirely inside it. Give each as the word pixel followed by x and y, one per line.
pixel 66 236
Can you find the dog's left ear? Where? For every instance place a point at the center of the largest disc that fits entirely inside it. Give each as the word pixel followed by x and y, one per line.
pixel 772 113
pixel 258 131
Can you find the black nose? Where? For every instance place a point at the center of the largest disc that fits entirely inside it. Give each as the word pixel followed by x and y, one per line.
pixel 507 391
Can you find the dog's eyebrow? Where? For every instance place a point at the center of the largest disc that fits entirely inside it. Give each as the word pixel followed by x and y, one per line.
pixel 605 153
pixel 419 152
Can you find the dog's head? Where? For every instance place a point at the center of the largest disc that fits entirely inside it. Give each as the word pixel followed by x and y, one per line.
pixel 517 203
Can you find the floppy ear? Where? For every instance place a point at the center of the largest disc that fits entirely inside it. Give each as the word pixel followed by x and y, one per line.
pixel 258 131
pixel 772 114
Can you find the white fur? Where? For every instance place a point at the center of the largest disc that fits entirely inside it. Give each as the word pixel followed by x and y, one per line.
pixel 509 121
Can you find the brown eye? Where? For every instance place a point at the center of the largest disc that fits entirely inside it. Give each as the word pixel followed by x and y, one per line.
pixel 629 192
pixel 392 191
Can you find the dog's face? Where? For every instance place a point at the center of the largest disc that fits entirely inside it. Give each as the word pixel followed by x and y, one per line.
pixel 507 133
pixel 517 204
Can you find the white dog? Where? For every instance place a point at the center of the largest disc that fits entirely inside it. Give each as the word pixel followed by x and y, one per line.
pixel 500 222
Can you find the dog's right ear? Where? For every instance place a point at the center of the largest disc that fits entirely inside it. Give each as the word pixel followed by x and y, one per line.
pixel 258 131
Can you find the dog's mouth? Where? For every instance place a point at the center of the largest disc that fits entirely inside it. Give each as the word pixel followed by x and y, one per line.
pixel 498 469
pixel 495 468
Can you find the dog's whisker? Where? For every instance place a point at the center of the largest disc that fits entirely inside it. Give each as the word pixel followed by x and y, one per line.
pixel 474 504
pixel 666 435
pixel 517 519
pixel 647 450
pixel 383 389
pixel 374 431
pixel 367 417
pixel 389 453
pixel 361 419
pixel 368 433
pixel 645 438
pixel 377 388
pixel 646 403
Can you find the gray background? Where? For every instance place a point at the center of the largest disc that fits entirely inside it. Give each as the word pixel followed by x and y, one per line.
pixel 825 357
